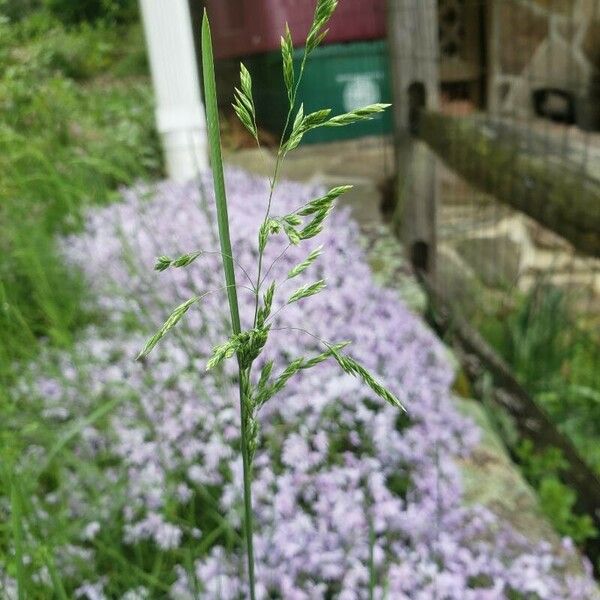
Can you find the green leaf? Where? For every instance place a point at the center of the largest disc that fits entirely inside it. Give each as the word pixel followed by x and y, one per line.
pixel 244 115
pixel 304 123
pixel 76 428
pixel 270 227
pixel 246 82
pixel 292 234
pixel 244 100
pixel 287 53
pixel 216 161
pixel 263 236
pixel 164 262
pixel 293 220
pixel 316 225
pixel 299 118
pixel 320 208
pixel 360 114
pixel 59 590
pixel 300 364
pixel 311 258
pixel 173 319
pixel 306 291
pixel 280 382
pixel 318 40
pixel 265 373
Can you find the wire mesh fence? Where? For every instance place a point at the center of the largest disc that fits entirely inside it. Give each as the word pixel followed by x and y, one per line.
pixel 518 197
pixel 517 115
pixel 496 136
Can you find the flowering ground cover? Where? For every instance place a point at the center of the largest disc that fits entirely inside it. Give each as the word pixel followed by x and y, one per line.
pixel 135 488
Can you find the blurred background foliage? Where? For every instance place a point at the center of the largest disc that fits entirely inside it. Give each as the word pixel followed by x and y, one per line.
pixel 70 12
pixel 76 122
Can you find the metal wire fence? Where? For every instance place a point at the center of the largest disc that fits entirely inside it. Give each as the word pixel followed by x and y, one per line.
pixel 495 185
pixel 517 219
pixel 517 113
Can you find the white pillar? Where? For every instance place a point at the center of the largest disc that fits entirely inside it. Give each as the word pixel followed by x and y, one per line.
pixel 179 109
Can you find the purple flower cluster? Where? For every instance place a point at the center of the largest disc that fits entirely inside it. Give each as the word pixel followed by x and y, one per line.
pixel 336 466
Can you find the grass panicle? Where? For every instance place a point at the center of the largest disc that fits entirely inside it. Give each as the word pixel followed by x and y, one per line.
pixel 304 224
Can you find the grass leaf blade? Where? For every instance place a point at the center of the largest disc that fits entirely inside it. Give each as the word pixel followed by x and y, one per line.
pixel 57 585
pixel 216 161
pixel 17 531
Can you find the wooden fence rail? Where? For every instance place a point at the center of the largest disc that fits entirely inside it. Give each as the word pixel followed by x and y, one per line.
pixel 500 160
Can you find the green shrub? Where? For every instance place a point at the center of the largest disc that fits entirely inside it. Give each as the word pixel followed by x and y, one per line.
pixel 17 9
pixel 70 12
pixel 557 501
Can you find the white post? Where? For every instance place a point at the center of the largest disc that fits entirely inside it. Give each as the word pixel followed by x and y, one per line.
pixel 179 110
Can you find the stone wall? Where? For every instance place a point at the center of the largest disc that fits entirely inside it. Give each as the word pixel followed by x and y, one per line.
pixel 535 44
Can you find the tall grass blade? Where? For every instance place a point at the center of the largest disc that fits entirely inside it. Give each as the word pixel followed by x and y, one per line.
pixel 216 159
pixel 17 531
pixel 57 585
pixel 73 431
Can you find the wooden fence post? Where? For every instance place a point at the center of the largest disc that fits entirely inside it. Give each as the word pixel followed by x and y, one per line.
pixel 414 52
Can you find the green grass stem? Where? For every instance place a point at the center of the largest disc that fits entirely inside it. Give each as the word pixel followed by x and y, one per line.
pixel 17 531
pixel 216 159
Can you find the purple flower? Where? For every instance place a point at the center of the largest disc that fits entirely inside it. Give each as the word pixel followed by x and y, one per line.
pixel 333 461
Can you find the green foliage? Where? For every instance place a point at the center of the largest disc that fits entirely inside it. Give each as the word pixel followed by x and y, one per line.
pixel 265 310
pixel 536 337
pixel 323 12
pixel 355 116
pixel 92 10
pixel 17 532
pixel 63 145
pixel 350 366
pixel 556 358
pixel 287 52
pixel 555 355
pixel 265 392
pixel 557 501
pixel 17 9
pixel 164 262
